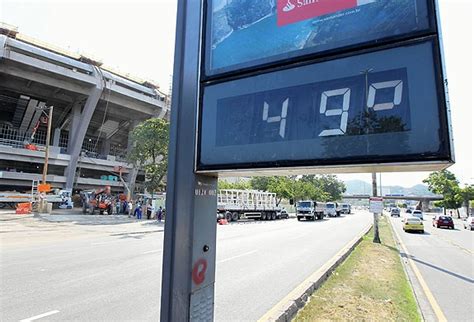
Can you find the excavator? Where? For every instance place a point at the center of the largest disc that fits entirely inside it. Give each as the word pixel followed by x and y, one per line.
pixel 100 200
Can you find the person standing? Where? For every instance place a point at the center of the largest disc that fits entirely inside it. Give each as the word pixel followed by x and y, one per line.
pixel 159 214
pixel 149 210
pixel 130 208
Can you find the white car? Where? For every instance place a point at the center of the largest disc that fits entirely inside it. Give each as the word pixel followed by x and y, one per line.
pixel 469 223
pixel 418 214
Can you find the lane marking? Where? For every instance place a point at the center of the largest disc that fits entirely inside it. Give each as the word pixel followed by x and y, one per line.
pixel 274 311
pixel 36 317
pixel 434 304
pixel 234 257
pixel 152 251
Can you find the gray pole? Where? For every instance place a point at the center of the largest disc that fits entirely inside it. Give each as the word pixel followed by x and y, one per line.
pixel 187 291
pixel 46 153
pixel 376 216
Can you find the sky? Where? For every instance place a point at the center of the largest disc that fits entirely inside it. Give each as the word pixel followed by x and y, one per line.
pixel 137 37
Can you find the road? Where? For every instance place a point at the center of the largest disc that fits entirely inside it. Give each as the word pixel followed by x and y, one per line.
pixel 445 260
pixel 116 275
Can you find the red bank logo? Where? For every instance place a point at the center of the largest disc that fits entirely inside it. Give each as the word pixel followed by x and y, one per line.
pixel 291 11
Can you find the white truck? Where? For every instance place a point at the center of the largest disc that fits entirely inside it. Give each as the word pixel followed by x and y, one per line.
pixel 332 209
pixel 309 210
pixel 233 204
pixel 59 199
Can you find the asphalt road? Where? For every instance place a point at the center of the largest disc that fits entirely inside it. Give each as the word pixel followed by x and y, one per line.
pixel 115 276
pixel 445 260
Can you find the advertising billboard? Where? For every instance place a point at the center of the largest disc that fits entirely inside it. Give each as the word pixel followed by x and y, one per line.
pixel 247 33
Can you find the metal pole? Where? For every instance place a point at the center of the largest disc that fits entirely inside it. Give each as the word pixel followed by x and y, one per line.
pixel 189 256
pixel 376 216
pixel 48 138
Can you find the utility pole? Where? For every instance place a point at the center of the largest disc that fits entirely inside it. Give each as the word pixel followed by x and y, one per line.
pixel 376 216
pixel 48 138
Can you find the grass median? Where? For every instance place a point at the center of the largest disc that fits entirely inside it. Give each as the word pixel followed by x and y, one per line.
pixel 369 285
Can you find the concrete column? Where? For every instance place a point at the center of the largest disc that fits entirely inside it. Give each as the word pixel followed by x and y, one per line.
pixel 105 148
pixel 132 175
pixel 77 137
pixel 56 136
pixel 74 125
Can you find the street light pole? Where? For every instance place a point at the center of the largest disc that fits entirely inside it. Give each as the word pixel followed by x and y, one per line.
pixel 48 138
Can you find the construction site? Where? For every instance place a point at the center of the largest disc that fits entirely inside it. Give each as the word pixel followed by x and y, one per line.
pixel 89 109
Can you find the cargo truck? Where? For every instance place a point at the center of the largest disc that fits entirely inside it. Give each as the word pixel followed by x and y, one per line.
pixel 309 210
pixel 233 204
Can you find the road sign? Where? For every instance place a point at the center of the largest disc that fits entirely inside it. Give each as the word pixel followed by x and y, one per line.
pixel 376 205
pixel 351 85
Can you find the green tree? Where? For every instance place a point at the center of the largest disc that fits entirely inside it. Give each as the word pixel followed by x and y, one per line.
pixel 329 184
pixel 240 185
pixel 467 196
pixel 150 151
pixel 261 183
pixel 445 183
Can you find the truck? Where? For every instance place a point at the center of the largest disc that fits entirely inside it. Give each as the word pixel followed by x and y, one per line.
pixel 234 204
pixel 346 208
pixel 59 198
pixel 309 210
pixel 332 209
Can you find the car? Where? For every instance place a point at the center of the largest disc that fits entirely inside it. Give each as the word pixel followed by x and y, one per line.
pixel 409 211
pixel 418 214
pixel 395 212
pixel 443 221
pixel 283 214
pixel 469 223
pixel 413 224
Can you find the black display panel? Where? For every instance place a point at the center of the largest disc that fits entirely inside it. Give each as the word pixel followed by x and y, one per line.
pixel 383 106
pixel 241 34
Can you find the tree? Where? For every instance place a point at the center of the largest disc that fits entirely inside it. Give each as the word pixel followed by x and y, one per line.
pixel 467 195
pixel 329 184
pixel 150 151
pixel 240 185
pixel 445 183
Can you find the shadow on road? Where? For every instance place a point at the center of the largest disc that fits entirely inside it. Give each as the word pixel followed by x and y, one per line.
pixel 464 278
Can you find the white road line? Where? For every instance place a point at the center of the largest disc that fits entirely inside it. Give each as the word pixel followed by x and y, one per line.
pixel 36 317
pixel 152 251
pixel 234 257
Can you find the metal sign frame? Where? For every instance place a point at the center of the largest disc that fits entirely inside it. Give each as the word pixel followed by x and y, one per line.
pixel 345 165
pixel 188 274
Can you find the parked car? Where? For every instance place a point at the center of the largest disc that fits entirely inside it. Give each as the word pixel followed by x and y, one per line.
pixel 395 212
pixel 413 224
pixel 469 223
pixel 418 214
pixel 443 221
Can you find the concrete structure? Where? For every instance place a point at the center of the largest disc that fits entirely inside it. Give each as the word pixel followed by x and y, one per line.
pixel 425 200
pixel 95 110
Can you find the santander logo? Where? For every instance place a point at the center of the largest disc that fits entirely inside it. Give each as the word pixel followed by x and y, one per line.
pixel 289 6
pixel 291 11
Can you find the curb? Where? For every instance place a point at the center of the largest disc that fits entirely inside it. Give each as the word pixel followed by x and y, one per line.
pixel 406 268
pixel 287 308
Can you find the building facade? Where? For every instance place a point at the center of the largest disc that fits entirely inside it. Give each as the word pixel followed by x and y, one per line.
pixel 94 111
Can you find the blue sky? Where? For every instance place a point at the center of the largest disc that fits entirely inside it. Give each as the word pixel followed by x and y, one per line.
pixel 137 37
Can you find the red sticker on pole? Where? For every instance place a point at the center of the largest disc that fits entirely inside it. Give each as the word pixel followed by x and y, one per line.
pixel 199 271
pixel 291 11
